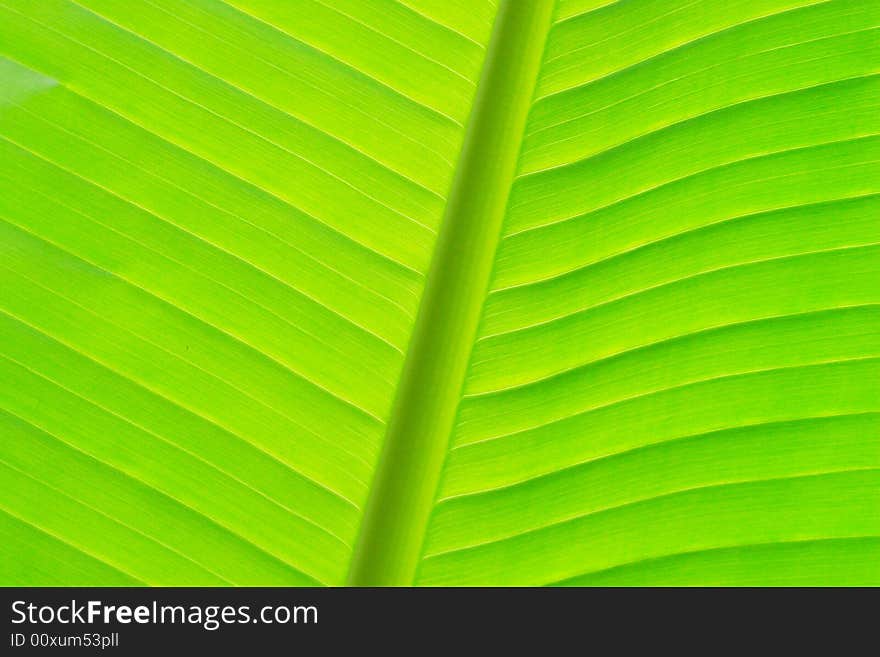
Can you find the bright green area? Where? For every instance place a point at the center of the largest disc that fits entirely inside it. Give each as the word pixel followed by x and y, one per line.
pixel 545 292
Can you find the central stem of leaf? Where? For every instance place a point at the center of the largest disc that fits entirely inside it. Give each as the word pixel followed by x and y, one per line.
pixel 396 517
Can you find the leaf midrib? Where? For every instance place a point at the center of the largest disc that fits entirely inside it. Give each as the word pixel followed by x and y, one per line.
pixel 389 544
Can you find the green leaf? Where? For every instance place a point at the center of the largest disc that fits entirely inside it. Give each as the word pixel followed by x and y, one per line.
pixel 439 292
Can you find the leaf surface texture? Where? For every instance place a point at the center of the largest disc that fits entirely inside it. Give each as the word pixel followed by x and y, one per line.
pixel 238 237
